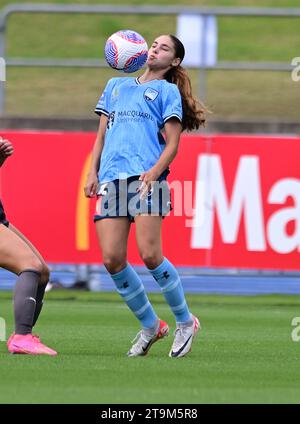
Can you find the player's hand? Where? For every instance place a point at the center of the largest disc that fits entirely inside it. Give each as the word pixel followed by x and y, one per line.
pixel 148 179
pixel 90 189
pixel 6 148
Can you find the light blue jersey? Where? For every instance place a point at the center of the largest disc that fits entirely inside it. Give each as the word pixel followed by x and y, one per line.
pixel 136 114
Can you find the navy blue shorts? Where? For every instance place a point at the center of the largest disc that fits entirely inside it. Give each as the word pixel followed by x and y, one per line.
pixel 120 198
pixel 3 219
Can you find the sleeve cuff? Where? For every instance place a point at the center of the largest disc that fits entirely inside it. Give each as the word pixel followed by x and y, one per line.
pixel 174 115
pixel 101 112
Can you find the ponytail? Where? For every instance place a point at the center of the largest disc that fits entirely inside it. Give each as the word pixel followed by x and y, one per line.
pixel 193 110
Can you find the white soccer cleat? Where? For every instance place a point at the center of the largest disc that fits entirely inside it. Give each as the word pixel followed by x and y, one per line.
pixel 184 335
pixel 143 341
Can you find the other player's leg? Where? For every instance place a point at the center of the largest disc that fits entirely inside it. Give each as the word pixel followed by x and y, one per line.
pixel 17 257
pixel 45 274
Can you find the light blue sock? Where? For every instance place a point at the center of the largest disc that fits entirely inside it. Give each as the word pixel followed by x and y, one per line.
pixel 130 287
pixel 169 281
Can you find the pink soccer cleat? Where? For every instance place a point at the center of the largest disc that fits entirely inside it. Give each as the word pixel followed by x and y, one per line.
pixel 28 344
pixel 10 339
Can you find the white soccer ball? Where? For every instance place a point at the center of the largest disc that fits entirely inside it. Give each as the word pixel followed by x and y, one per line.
pixel 126 51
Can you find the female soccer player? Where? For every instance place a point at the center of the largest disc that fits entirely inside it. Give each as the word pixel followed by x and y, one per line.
pixel 18 255
pixel 128 172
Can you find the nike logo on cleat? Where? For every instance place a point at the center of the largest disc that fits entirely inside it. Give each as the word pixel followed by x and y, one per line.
pixel 147 346
pixel 174 354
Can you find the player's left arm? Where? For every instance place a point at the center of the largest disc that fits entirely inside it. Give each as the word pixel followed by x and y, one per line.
pixel 173 129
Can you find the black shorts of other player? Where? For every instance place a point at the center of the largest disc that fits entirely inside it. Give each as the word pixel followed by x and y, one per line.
pixel 121 197
pixel 3 219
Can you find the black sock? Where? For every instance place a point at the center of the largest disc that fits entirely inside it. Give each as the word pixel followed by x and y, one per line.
pixel 39 302
pixel 25 300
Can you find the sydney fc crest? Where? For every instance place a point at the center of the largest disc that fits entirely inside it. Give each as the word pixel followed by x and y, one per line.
pixel 150 94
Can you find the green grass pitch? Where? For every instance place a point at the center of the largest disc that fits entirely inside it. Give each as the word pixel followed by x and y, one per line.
pixel 244 353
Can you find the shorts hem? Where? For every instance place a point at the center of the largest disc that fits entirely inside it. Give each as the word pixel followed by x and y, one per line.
pixel 99 218
pixel 130 218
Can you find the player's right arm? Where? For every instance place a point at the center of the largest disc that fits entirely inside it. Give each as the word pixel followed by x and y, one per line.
pixel 90 188
pixel 6 150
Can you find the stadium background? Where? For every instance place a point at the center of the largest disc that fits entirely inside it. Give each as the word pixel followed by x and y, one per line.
pixel 56 99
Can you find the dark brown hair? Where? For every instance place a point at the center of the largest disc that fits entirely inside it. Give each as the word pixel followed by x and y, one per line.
pixel 193 109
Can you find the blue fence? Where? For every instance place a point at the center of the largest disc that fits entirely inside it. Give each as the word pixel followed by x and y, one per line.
pixel 195 280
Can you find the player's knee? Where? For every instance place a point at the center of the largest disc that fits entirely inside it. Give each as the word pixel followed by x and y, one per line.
pixel 31 263
pixel 151 259
pixel 114 263
pixel 45 274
